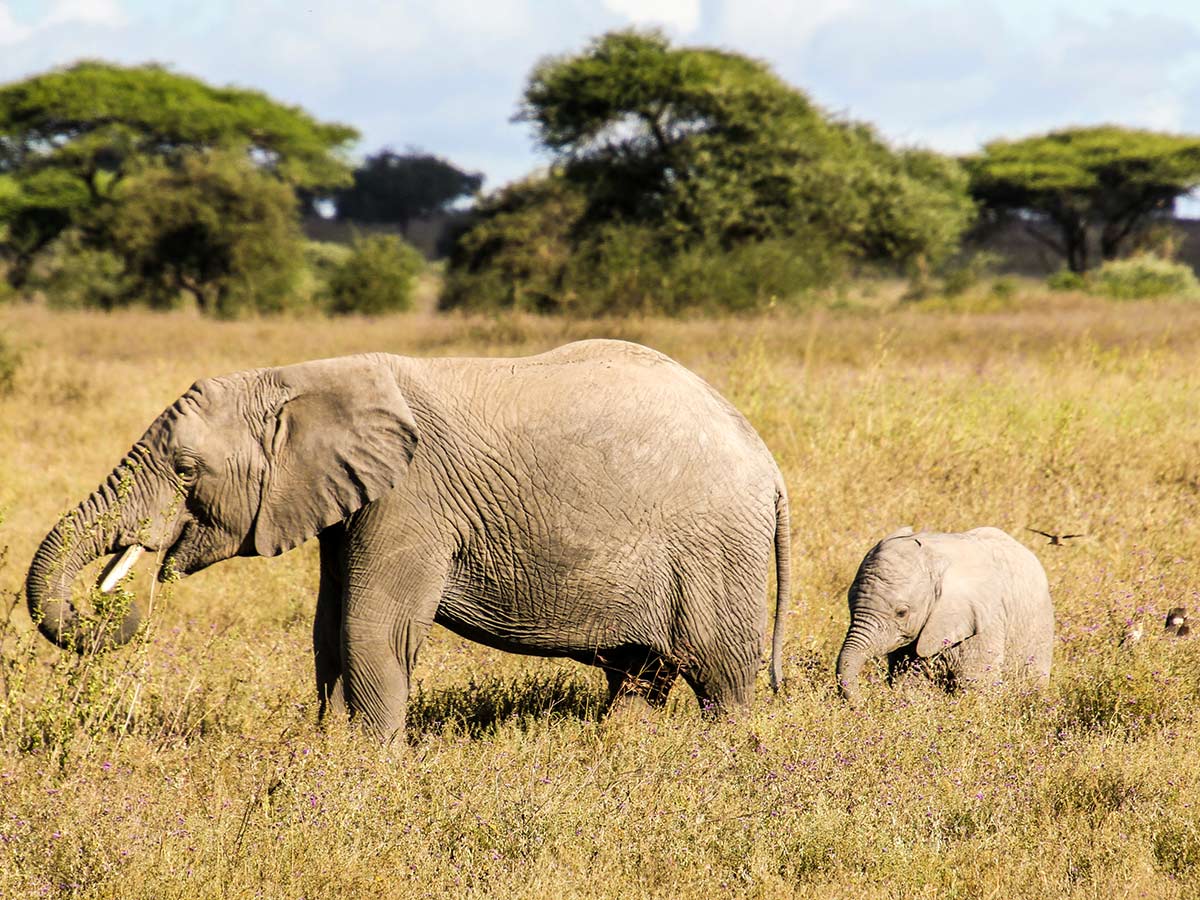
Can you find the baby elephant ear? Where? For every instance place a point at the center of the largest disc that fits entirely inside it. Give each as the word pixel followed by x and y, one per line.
pixel 965 598
pixel 342 437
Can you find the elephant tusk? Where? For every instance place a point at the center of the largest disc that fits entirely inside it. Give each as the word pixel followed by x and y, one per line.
pixel 118 567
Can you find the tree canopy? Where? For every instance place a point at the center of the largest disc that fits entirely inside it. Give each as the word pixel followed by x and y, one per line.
pixel 71 137
pixel 714 144
pixel 1085 192
pixel 399 187
pixel 705 151
pixel 212 226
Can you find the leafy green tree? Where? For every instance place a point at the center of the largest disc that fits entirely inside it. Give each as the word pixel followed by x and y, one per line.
pixel 671 165
pixel 70 138
pixel 529 247
pixel 210 226
pixel 34 210
pixel 1085 192
pixel 707 144
pixel 376 277
pixel 517 250
pixel 397 188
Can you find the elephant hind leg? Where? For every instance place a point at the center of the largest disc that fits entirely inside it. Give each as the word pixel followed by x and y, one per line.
pixel 723 678
pixel 721 692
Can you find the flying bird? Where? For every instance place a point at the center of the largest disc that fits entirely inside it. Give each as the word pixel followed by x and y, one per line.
pixel 1056 539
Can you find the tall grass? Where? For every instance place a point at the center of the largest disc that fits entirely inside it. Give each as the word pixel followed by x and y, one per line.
pixel 189 764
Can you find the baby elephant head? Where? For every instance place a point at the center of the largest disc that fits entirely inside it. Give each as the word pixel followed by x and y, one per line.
pixel 910 589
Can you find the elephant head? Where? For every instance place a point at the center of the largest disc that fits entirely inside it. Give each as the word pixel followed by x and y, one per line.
pixel 250 464
pixel 932 590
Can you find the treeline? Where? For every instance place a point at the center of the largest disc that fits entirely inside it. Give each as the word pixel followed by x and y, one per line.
pixel 123 185
pixel 680 178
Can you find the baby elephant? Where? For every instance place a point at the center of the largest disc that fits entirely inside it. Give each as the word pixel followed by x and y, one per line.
pixel 961 607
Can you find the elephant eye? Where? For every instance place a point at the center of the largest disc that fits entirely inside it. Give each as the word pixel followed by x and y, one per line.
pixel 901 612
pixel 186 467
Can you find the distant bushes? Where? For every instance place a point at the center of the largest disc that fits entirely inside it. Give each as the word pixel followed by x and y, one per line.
pixel 526 252
pixel 1066 280
pixel 74 276
pixel 377 276
pixel 374 275
pixel 1144 276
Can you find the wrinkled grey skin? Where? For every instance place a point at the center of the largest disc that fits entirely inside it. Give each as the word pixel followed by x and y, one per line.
pixel 598 502
pixel 968 607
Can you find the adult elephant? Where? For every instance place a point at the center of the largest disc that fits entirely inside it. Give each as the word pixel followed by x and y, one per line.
pixel 598 502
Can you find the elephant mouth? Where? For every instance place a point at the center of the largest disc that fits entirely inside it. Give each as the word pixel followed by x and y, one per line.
pixel 180 558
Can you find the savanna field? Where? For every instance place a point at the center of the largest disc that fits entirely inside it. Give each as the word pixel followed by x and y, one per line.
pixel 189 763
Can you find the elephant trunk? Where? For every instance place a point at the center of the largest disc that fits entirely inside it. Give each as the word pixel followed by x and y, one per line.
pixel 95 528
pixel 859 646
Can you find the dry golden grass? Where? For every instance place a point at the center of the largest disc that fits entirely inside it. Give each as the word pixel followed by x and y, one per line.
pixel 191 766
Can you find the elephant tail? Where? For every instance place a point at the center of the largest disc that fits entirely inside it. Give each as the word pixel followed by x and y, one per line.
pixel 783 583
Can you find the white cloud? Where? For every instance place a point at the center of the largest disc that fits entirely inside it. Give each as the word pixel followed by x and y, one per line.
pixel 952 76
pixel 447 76
pixel 766 26
pixel 11 31
pixel 106 13
pixel 682 16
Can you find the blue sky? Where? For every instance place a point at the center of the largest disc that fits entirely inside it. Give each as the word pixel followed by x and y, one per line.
pixel 446 75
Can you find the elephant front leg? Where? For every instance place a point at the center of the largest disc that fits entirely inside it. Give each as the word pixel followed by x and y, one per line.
pixel 383 628
pixel 978 661
pixel 327 625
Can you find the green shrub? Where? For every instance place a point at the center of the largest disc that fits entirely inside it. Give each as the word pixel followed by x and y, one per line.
pixel 1004 288
pixel 324 257
pixel 524 251
pixel 1145 276
pixel 515 251
pixel 321 260
pixel 965 272
pixel 77 277
pixel 626 271
pixel 376 277
pixel 1066 280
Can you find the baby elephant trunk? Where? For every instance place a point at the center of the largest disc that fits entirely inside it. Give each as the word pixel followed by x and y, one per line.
pixel 858 647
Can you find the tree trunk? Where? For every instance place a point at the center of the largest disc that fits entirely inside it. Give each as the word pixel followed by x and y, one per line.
pixel 1075 239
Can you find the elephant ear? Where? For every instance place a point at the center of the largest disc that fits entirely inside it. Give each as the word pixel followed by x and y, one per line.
pixel 965 598
pixel 341 437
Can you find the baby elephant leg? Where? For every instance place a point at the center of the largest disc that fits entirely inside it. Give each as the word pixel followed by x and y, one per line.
pixel 978 661
pixel 911 675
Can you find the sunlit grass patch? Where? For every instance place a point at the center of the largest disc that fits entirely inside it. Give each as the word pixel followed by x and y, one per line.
pixel 192 765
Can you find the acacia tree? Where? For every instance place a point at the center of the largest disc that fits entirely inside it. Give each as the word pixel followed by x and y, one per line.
pixel 1084 192
pixel 708 144
pixel 694 176
pixel 211 226
pixel 71 137
pixel 397 188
